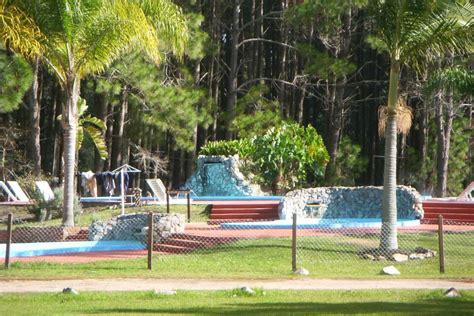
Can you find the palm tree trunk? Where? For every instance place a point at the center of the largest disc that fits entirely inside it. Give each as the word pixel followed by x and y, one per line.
pixel 34 114
pixel 388 237
pixel 69 123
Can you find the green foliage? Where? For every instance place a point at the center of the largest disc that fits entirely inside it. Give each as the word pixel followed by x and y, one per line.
pixel 16 78
pixel 327 14
pixel 422 174
pixel 156 101
pixel 47 210
pixel 282 157
pixel 242 147
pixel 255 114
pixel 322 65
pixel 285 155
pixel 456 78
pixel 416 32
pixel 350 163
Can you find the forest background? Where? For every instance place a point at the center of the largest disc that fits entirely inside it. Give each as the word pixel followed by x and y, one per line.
pixel 249 65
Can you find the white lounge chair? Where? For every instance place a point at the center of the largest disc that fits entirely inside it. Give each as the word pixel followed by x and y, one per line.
pixel 19 193
pixel 10 196
pixel 158 188
pixel 45 190
pixel 466 195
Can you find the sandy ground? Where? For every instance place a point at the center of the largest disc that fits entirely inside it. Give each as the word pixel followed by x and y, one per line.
pixel 20 286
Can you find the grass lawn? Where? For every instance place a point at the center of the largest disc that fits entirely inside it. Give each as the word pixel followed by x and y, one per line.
pixel 261 258
pixel 235 302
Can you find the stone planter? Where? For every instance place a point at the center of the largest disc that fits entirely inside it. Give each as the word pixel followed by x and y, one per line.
pixel 135 227
pixel 348 202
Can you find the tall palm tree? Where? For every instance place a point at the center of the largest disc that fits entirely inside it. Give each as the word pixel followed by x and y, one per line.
pixel 81 37
pixel 413 33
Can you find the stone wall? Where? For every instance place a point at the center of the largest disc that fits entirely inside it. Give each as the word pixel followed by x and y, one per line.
pixel 220 176
pixel 135 227
pixel 347 202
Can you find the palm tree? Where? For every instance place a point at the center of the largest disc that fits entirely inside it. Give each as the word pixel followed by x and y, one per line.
pixel 413 33
pixel 84 37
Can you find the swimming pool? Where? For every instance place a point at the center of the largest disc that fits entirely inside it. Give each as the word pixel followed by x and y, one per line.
pixel 239 198
pixel 54 248
pixel 319 223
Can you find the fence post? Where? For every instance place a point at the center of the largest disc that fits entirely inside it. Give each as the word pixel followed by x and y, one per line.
pixel 441 243
pixel 188 197
pixel 293 244
pixel 9 240
pixel 150 239
pixel 167 201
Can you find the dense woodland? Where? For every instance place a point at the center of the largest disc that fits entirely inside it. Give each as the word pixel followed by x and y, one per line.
pixel 249 65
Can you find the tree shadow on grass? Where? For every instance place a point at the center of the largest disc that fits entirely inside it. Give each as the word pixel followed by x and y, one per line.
pixel 429 307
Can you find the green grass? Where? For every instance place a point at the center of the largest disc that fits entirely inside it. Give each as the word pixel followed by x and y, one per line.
pixel 261 258
pixel 235 302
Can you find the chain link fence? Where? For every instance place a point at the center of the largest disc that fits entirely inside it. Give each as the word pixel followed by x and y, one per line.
pixel 336 244
pixel 416 244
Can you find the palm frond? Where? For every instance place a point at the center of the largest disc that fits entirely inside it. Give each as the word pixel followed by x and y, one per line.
pixel 404 118
pixel 169 23
pixel 98 139
pixel 19 31
pixel 90 120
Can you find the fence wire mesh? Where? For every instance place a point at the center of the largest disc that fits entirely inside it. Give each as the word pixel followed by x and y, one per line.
pixel 417 244
pixel 333 245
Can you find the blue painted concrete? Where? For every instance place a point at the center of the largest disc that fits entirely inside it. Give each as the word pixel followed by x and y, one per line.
pixel 53 248
pixel 317 223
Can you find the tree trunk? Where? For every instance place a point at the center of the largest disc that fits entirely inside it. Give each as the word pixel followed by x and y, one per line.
pixel 102 114
pixel 234 55
pixel 335 122
pixel 388 237
pixel 69 123
pixel 118 142
pixel 34 115
pixel 443 126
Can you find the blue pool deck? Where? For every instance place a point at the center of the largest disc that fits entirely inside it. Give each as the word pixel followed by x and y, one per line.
pixel 54 248
pixel 316 223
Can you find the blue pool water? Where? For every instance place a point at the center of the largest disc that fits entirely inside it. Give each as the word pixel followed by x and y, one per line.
pixel 319 223
pixel 238 198
pixel 54 248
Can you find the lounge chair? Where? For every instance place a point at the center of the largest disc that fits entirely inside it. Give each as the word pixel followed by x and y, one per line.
pixel 19 193
pixel 45 190
pixel 466 195
pixel 158 188
pixel 10 196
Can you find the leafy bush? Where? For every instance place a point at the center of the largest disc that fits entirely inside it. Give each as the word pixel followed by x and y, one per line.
pixel 286 154
pixel 46 210
pixel 281 158
pixel 241 147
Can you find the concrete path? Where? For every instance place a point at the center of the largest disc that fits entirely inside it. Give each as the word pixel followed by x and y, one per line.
pixel 17 286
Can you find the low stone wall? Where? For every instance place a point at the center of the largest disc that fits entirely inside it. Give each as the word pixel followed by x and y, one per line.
pixel 220 176
pixel 347 202
pixel 135 227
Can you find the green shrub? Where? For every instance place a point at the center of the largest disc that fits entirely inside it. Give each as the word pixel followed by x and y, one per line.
pixel 285 155
pixel 241 147
pixel 46 210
